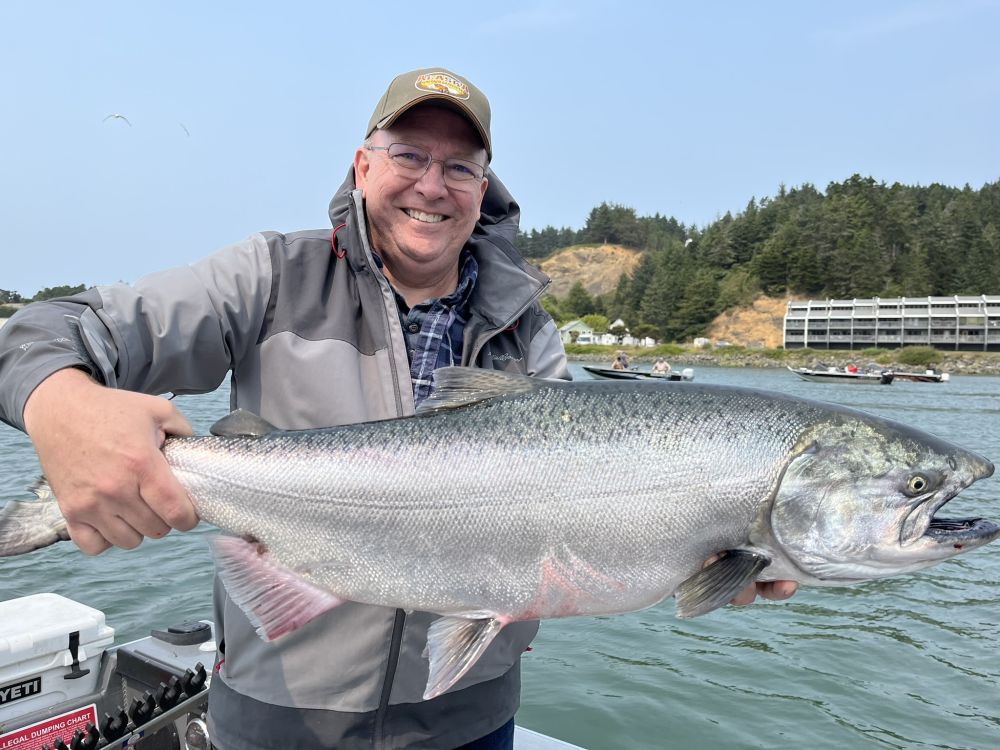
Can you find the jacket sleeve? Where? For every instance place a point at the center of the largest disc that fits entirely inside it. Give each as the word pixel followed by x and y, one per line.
pixel 546 355
pixel 179 330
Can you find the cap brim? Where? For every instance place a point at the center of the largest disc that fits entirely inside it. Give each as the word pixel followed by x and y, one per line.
pixel 450 101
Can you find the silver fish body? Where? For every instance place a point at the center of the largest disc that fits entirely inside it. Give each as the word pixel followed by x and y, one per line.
pixel 568 499
pixel 514 499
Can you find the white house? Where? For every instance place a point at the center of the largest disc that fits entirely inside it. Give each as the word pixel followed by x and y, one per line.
pixel 577 332
pixel 646 342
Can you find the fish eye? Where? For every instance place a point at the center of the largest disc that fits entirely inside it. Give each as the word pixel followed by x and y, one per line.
pixel 917 484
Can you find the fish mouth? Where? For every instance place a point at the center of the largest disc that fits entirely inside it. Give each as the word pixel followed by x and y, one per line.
pixel 962 531
pixel 923 524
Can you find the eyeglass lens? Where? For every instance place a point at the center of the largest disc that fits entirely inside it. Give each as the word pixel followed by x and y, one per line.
pixel 417 159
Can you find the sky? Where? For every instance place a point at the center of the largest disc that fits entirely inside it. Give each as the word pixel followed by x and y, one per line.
pixel 245 116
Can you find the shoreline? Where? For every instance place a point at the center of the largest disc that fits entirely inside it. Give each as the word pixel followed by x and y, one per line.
pixel 953 363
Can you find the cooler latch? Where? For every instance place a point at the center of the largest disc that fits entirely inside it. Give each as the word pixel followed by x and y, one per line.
pixel 75 673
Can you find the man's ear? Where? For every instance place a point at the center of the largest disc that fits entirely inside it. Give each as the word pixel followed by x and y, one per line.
pixel 361 167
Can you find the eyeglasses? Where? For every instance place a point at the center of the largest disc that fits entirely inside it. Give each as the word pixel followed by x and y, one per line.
pixel 415 161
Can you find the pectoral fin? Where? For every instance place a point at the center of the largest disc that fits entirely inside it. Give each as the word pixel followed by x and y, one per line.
pixel 454 644
pixel 274 598
pixel 716 585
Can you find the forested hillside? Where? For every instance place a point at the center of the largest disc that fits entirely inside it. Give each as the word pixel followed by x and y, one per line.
pixel 858 238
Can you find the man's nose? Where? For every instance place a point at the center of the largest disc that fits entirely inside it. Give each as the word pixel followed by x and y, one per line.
pixel 431 182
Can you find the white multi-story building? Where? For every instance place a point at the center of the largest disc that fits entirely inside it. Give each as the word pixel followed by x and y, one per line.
pixel 961 323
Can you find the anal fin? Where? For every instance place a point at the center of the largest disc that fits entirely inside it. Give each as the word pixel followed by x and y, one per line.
pixel 716 585
pixel 454 644
pixel 274 598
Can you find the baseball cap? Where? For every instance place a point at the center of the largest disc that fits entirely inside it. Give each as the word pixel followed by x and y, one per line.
pixel 433 85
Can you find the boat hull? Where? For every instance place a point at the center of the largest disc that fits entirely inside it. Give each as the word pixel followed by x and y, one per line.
pixel 922 377
pixel 612 374
pixel 852 378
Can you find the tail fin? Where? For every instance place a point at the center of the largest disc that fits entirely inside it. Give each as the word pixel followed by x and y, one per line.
pixel 33 524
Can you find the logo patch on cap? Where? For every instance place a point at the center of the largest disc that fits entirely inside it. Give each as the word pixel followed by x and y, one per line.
pixel 442 83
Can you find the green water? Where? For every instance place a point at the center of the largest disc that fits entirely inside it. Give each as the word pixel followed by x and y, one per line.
pixel 910 662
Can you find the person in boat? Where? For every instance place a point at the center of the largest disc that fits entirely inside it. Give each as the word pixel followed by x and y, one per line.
pixel 621 362
pixel 315 328
pixel 661 367
pixel 851 368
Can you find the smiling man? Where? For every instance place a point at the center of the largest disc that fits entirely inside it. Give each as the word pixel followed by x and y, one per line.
pixel 423 181
pixel 315 328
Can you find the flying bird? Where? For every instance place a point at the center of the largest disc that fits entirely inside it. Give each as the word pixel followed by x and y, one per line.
pixel 186 130
pixel 117 116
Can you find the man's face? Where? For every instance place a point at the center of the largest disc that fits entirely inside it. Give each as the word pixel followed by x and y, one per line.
pixel 419 223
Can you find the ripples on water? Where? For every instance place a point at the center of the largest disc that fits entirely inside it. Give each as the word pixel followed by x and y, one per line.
pixel 909 662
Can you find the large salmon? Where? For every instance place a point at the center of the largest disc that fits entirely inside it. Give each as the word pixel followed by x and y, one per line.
pixel 509 498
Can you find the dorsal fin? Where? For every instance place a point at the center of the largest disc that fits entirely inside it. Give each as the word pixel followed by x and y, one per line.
pixel 242 423
pixel 461 386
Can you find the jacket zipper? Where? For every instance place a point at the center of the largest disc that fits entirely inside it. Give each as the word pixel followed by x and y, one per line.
pixel 390 674
pixel 396 640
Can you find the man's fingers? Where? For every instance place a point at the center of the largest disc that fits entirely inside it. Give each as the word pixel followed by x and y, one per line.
pixel 774 590
pixel 166 497
pixel 746 596
pixel 162 492
pixel 121 533
pixel 174 423
pixel 87 538
pixel 169 419
pixel 143 520
pixel 778 590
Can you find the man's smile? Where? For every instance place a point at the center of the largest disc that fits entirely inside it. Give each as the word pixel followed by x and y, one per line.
pixel 424 217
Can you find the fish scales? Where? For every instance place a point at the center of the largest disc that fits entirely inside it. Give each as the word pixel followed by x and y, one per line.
pixel 493 505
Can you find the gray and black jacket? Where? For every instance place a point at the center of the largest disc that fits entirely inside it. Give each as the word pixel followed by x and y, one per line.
pixel 307 327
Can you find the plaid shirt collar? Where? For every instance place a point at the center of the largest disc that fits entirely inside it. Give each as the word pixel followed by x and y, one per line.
pixel 434 329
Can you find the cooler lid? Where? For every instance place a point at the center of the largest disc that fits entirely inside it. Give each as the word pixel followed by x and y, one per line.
pixel 41 623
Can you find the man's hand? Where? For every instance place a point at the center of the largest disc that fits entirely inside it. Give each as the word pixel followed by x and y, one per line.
pixel 100 451
pixel 774 590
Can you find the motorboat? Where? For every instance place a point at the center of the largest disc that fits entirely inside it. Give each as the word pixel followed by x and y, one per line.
pixel 613 374
pixel 837 375
pixel 632 374
pixel 65 685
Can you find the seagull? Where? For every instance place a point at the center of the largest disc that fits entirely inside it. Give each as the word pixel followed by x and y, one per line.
pixel 117 116
pixel 186 130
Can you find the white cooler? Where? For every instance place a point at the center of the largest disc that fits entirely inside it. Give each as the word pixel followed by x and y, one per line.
pixel 36 636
